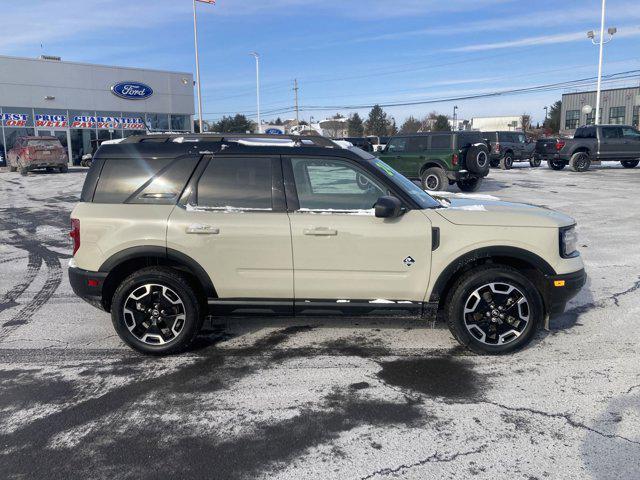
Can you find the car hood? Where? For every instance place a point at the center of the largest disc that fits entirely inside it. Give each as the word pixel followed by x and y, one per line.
pixel 469 211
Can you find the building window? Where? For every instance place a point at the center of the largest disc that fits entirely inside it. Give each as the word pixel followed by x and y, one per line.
pixel 180 123
pixel 158 122
pixel 616 115
pixel 635 121
pixel 591 117
pixel 572 119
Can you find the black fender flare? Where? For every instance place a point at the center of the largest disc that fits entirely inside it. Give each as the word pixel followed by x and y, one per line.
pixel 155 251
pixel 484 253
pixel 436 162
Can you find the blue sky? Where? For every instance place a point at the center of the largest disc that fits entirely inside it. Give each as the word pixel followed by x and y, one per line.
pixel 343 52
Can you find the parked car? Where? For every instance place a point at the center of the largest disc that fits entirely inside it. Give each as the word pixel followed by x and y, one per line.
pixel 440 159
pixel 32 153
pixel 509 147
pixel 168 231
pixel 618 143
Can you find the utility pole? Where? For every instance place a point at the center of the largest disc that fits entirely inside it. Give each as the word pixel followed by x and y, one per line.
pixel 195 40
pixel 295 89
pixel 257 57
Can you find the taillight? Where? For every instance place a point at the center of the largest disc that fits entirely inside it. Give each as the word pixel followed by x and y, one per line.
pixel 497 147
pixel 75 234
pixel 454 159
pixel 560 144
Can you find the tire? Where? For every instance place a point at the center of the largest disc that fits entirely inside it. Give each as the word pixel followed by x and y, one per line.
pixel 434 179
pixel 49 169
pixel 535 161
pixel 140 300
pixel 630 163
pixel 64 169
pixel 23 171
pixel 12 168
pixel 580 162
pixel 556 164
pixel 469 185
pixel 494 163
pixel 506 162
pixel 477 159
pixel 491 289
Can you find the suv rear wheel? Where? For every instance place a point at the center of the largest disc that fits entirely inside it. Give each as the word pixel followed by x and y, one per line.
pixel 434 179
pixel 155 311
pixel 506 162
pixel 494 309
pixel 630 163
pixel 469 185
pixel 535 161
pixel 580 162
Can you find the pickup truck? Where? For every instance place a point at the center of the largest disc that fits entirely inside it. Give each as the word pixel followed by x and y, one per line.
pixel 590 144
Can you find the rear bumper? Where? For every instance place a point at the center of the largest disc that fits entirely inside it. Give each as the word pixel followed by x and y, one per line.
pixel 87 285
pixel 465 175
pixel 562 288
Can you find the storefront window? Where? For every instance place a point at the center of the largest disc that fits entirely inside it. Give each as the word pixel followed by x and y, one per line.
pixel 83 142
pixel 17 122
pixel 49 119
pixel 133 124
pixel 158 122
pixel 12 134
pixel 180 123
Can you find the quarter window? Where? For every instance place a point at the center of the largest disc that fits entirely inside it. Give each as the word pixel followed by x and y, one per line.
pixel 571 119
pixel 630 133
pixel 616 115
pixel 236 183
pixel 334 184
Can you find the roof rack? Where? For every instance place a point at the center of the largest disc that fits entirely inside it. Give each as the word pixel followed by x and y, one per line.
pixel 248 139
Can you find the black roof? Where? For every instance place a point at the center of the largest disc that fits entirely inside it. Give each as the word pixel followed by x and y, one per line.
pixel 173 145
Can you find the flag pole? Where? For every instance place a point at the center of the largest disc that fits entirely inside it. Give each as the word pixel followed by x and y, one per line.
pixel 195 40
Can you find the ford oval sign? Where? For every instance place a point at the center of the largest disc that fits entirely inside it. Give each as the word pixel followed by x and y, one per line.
pixel 274 131
pixel 132 90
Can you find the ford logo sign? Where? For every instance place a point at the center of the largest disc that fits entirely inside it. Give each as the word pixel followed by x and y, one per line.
pixel 274 131
pixel 132 90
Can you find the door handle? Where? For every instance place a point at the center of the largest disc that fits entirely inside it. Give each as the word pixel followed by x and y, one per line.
pixel 201 229
pixel 320 231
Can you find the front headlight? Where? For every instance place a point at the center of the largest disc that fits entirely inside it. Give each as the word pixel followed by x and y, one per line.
pixel 568 242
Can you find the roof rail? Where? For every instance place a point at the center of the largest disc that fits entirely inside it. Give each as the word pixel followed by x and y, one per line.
pixel 249 139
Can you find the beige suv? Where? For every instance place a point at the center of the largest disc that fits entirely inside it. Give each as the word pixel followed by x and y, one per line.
pixel 173 228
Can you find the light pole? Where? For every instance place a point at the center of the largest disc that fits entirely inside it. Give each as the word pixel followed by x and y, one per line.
pixel 453 122
pixel 257 57
pixel 546 113
pixel 601 41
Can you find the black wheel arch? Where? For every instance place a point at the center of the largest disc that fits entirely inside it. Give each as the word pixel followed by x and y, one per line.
pixel 123 263
pixel 433 163
pixel 536 268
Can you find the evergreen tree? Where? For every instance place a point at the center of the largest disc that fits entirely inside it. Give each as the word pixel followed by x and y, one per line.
pixel 553 121
pixel 410 125
pixel 377 123
pixel 237 124
pixel 441 124
pixel 355 125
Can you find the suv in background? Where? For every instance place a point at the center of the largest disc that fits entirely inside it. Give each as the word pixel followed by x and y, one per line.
pixel 509 147
pixel 440 159
pixel 172 228
pixel 595 143
pixel 31 153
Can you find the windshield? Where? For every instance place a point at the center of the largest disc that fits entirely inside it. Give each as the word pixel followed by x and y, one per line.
pixel 421 197
pixel 44 143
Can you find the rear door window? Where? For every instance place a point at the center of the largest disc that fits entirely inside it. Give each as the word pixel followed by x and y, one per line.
pixel 417 144
pixel 440 142
pixel 612 132
pixel 236 183
pixel 397 145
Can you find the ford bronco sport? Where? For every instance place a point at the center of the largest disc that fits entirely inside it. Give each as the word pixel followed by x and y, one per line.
pixel 440 159
pixel 171 228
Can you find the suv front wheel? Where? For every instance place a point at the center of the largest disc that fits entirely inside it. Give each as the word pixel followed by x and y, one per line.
pixel 434 179
pixel 155 311
pixel 494 309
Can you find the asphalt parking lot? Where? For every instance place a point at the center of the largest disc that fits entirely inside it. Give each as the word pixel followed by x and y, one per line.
pixel 318 397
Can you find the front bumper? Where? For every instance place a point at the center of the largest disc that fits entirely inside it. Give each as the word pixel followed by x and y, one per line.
pixel 88 285
pixel 562 288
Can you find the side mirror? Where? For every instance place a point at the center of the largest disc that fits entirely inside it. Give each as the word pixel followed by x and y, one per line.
pixel 388 207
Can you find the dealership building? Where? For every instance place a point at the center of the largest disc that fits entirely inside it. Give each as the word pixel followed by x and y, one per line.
pixel 82 104
pixel 617 105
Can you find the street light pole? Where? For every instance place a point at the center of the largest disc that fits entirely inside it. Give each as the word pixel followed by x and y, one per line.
pixel 257 57
pixel 455 127
pixel 601 41
pixel 195 41
pixel 546 113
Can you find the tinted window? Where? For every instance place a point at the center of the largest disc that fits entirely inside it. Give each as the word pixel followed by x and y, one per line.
pixel 335 184
pixel 417 144
pixel 630 133
pixel 158 181
pixel 397 145
pixel 585 133
pixel 491 136
pixel 612 132
pixel 440 141
pixel 469 138
pixel 243 183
